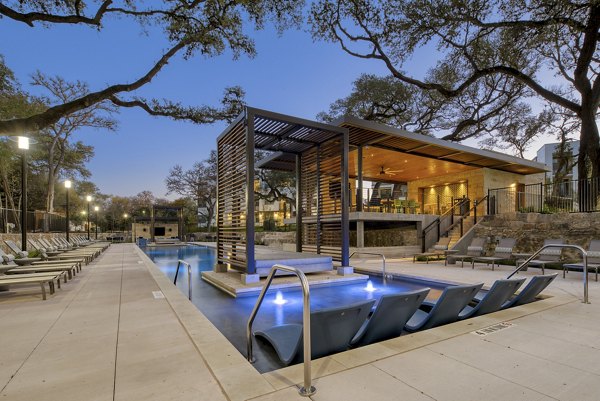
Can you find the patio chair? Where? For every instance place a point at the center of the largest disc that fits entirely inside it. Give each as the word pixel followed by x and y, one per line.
pixel 331 331
pixel 549 255
pixel 503 251
pixel 493 299
pixel 437 250
pixel 474 250
pixel 536 285
pixel 452 301
pixel 593 260
pixel 390 315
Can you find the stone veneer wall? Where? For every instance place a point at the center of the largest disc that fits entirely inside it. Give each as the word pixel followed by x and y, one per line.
pixel 531 229
pixel 402 236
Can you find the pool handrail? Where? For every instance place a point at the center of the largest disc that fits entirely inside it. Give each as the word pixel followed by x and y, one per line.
pixel 307 390
pixel 577 247
pixel 189 269
pixel 374 254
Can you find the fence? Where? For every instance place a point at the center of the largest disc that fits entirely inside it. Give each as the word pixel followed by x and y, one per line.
pixel 566 196
pixel 10 221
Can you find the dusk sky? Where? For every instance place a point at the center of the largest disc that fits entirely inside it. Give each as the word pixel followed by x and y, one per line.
pixel 290 75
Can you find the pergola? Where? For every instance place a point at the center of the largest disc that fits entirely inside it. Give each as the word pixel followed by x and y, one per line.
pixel 319 154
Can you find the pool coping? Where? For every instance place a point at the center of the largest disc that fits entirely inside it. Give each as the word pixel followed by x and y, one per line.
pixel 240 381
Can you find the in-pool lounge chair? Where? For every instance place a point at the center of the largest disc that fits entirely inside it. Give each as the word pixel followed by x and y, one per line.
pixel 548 255
pixel 452 301
pixel 390 315
pixel 331 330
pixel 529 293
pixel 493 299
pixel 593 260
pixel 503 251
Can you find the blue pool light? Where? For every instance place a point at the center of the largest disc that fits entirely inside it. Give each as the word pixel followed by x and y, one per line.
pixel 279 299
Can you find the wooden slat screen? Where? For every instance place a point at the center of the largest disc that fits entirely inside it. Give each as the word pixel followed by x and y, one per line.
pixel 231 209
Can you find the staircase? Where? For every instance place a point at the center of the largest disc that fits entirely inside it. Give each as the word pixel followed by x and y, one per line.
pixel 455 232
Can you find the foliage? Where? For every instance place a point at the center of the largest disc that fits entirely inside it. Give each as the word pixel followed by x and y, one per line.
pixel 491 54
pixel 198 183
pixel 208 28
pixel 274 185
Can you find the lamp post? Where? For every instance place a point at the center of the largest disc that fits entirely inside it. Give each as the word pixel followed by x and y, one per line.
pixel 67 225
pixel 23 144
pixel 88 199
pixel 125 216
pixel 96 208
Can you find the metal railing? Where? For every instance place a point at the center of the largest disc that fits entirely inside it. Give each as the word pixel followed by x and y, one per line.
pixel 551 197
pixel 37 221
pixel 577 247
pixel 445 222
pixel 189 269
pixel 374 254
pixel 307 390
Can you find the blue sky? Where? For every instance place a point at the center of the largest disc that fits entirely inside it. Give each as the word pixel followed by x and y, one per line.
pixel 291 74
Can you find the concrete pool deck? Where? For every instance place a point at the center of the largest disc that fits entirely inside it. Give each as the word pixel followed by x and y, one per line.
pixel 110 335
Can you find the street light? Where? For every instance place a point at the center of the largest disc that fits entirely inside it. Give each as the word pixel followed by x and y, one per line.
pixel 67 225
pixel 88 199
pixel 96 208
pixel 23 144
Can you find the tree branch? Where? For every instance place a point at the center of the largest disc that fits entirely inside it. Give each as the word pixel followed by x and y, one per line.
pixel 30 18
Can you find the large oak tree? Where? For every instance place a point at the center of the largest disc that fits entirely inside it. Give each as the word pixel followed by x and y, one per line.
pixel 206 27
pixel 488 51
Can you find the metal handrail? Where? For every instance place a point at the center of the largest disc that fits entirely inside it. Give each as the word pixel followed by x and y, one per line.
pixel 585 265
pixel 307 390
pixel 189 269
pixel 375 254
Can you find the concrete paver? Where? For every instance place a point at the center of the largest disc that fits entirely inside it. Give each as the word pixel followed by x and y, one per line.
pixel 105 337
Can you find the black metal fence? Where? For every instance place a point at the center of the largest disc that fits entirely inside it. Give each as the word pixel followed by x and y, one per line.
pixel 553 197
pixel 36 221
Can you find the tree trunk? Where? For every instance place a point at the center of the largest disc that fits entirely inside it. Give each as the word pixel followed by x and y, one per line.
pixel 10 200
pixel 588 159
pixel 50 194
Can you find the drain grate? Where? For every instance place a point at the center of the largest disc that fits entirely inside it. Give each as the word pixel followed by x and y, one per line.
pixel 158 294
pixel 492 329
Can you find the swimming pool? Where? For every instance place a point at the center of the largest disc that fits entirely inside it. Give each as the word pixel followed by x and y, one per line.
pixel 230 315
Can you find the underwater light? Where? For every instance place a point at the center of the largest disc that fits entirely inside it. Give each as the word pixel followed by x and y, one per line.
pixel 370 287
pixel 279 300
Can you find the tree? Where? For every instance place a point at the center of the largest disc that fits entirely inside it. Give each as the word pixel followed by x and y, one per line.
pixel 198 183
pixel 207 27
pixel 490 52
pixel 274 185
pixel 59 156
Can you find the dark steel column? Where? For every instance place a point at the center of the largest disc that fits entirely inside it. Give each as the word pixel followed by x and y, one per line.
pixel 298 203
pixel 152 224
pixel 345 212
pixel 318 175
pixel 67 216
pixel 88 220
pixel 24 201
pixel 359 195
pixel 250 257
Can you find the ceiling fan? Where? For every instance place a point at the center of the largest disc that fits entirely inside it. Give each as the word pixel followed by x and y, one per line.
pixel 388 171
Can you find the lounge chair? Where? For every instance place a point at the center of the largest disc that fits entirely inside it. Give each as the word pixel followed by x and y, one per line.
pixel 473 251
pixel 437 251
pixel 331 330
pixel 493 299
pixel 390 315
pixel 503 251
pixel 16 280
pixel 536 285
pixel 452 301
pixel 593 260
pixel 548 255
pixel 21 256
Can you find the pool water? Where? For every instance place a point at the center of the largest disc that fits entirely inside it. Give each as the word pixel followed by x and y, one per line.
pixel 230 315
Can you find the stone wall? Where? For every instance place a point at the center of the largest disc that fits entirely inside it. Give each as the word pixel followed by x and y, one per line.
pixel 402 236
pixel 531 229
